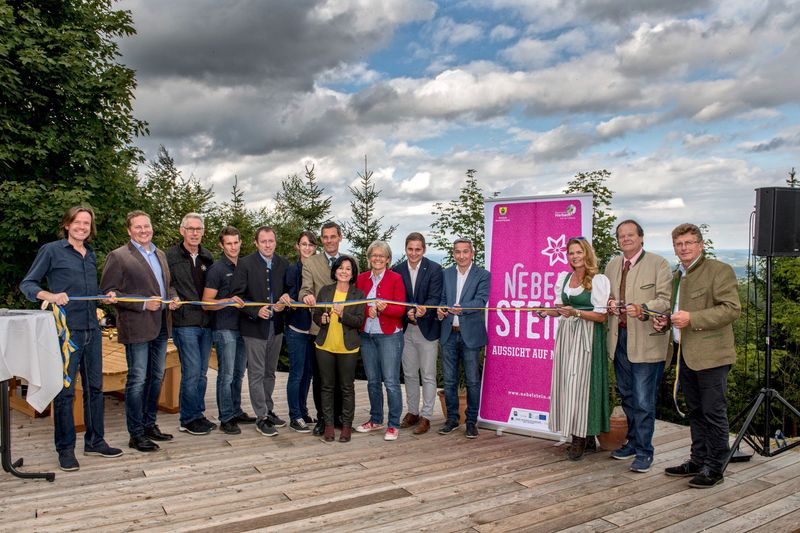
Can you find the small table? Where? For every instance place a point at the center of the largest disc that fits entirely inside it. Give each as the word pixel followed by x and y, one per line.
pixel 28 349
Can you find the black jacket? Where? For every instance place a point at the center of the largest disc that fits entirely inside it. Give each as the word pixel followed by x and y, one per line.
pixel 253 282
pixel 351 320
pixel 181 280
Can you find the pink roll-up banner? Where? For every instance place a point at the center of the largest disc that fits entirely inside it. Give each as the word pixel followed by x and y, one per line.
pixel 525 251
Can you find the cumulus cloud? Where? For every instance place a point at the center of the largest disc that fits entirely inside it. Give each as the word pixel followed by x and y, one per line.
pixel 447 33
pixel 418 182
pixel 787 139
pixel 531 52
pixel 696 142
pixel 618 126
pixel 356 73
pixel 526 92
pixel 502 32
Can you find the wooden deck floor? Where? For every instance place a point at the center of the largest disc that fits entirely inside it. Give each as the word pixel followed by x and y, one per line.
pixel 295 482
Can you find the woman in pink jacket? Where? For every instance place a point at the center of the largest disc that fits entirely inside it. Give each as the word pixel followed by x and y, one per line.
pixel 382 339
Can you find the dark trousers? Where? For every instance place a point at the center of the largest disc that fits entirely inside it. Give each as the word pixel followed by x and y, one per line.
pixel 704 391
pixel 337 368
pixel 88 360
pixel 316 391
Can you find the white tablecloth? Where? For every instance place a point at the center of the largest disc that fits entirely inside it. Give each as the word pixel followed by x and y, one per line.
pixel 29 350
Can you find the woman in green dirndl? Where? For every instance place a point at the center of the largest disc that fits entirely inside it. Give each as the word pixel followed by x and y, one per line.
pixel 579 387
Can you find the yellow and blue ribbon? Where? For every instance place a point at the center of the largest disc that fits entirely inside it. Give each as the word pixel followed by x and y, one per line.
pixel 67 346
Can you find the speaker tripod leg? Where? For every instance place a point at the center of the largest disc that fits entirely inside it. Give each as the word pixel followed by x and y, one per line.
pixel 756 404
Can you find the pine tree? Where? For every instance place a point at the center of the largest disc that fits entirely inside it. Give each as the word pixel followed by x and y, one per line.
pixel 300 205
pixel 169 196
pixel 364 227
pixel 461 218
pixel 235 213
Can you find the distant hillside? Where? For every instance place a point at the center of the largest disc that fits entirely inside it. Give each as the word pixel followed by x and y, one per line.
pixel 736 258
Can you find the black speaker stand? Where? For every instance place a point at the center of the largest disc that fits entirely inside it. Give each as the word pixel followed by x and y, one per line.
pixel 761 441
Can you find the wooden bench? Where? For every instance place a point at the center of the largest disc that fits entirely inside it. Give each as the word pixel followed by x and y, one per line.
pixel 115 375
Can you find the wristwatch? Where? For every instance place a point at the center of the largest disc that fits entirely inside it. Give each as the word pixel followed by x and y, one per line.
pixel 578 313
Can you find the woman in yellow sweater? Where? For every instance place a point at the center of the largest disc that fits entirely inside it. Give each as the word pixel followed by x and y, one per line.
pixel 338 343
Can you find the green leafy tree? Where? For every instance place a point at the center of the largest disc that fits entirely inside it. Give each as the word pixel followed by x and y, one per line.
pixel 169 196
pixel 66 126
pixel 708 243
pixel 459 218
pixel 364 227
pixel 603 239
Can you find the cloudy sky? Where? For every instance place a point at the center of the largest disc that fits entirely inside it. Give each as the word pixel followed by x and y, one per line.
pixel 690 104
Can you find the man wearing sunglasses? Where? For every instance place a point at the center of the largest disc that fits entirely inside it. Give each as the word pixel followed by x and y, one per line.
pixel 638 279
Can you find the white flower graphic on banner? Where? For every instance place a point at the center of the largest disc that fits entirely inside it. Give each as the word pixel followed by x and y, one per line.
pixel 556 250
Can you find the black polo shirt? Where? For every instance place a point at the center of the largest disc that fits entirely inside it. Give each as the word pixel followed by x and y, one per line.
pixel 219 277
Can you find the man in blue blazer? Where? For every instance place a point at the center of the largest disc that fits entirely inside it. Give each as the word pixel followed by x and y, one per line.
pixel 423 282
pixel 463 333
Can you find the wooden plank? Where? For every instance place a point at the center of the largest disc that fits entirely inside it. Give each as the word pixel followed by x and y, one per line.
pixel 294 482
pixel 245 515
pixel 763 498
pixel 788 523
pixel 776 509
pixel 680 506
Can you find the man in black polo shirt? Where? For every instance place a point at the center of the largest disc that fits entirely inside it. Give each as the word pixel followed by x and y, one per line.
pixel 188 263
pixel 231 357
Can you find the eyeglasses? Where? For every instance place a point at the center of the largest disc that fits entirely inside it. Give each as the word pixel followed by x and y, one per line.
pixel 377 256
pixel 307 245
pixel 193 230
pixel 684 244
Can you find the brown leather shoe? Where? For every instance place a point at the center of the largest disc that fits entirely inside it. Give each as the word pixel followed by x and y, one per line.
pixel 576 449
pixel 409 420
pixel 423 426
pixel 330 434
pixel 347 430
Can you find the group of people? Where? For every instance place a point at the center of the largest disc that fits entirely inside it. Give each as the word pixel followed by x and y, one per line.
pixel 151 290
pixel 641 315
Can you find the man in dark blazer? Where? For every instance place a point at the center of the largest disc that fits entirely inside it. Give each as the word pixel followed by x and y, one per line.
pixel 463 333
pixel 423 282
pixel 261 277
pixel 140 269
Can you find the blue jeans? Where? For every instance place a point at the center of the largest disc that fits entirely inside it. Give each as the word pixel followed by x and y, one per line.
pixel 231 362
pixel 637 385
pixel 301 367
pixel 453 350
pixel 194 349
pixel 89 357
pixel 382 355
pixel 146 362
